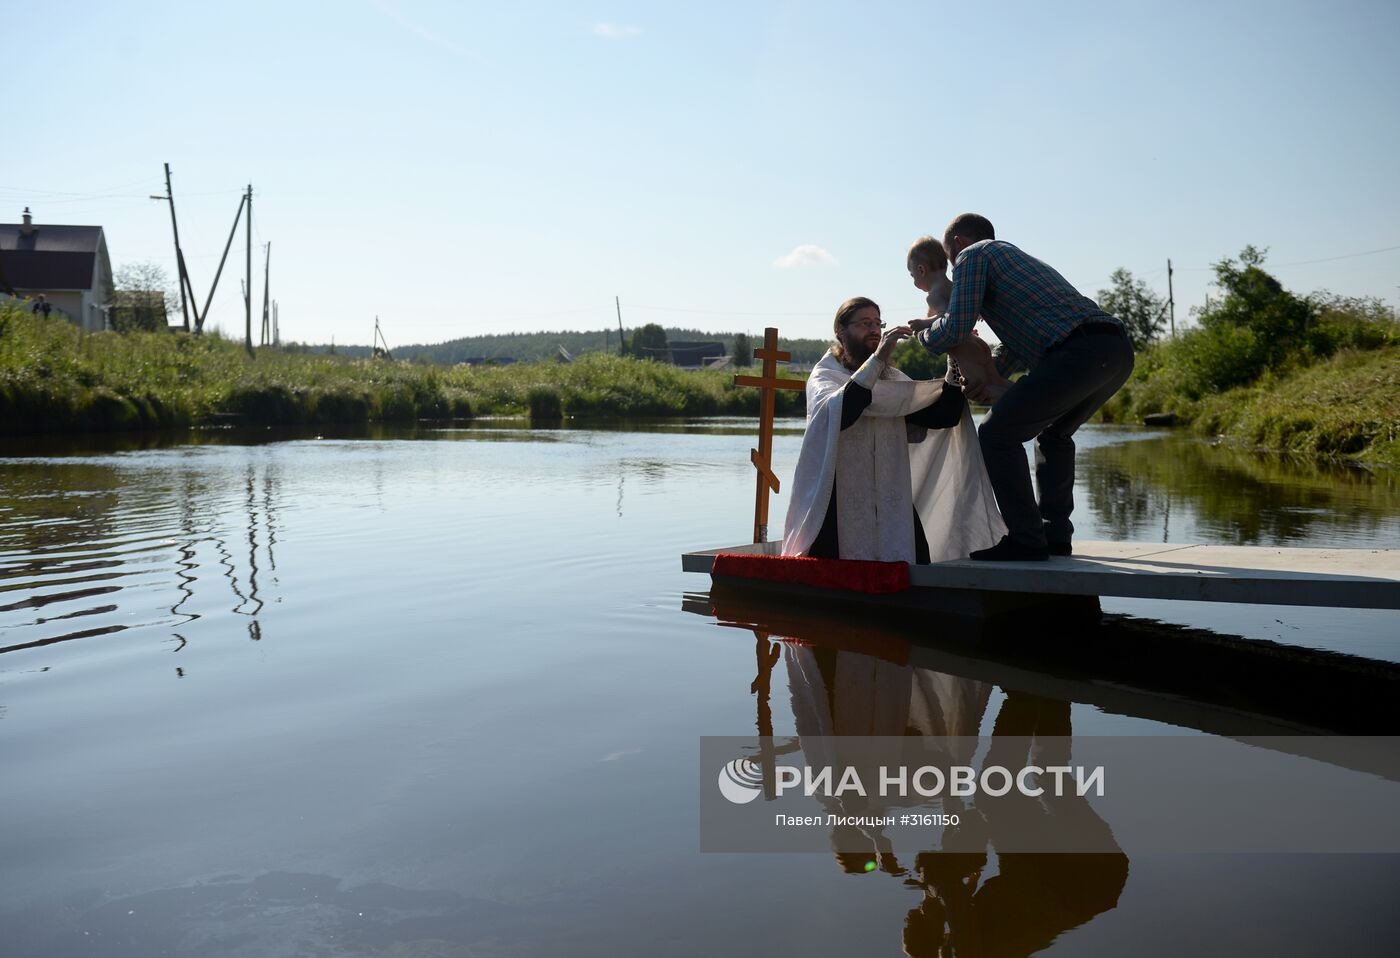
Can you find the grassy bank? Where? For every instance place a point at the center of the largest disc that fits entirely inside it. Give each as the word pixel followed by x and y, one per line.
pixel 55 378
pixel 1317 375
pixel 1346 406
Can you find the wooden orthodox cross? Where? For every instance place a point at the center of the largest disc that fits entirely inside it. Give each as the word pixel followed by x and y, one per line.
pixel 768 384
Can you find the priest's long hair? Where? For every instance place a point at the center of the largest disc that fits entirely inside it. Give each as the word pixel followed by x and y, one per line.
pixel 844 315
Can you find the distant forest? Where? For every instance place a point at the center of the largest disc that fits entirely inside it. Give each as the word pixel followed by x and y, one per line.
pixel 533 347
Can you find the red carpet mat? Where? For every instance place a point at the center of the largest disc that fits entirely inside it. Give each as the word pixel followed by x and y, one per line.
pixel 853 575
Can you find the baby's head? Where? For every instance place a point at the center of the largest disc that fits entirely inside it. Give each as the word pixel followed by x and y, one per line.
pixel 926 261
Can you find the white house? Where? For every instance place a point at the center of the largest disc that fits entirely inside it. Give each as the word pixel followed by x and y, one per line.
pixel 67 264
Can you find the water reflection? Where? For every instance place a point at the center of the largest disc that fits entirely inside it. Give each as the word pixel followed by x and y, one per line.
pixel 1208 681
pixel 1178 489
pixel 1033 898
pixel 274 914
pixel 882 677
pixel 487 429
pixel 441 651
pixel 975 900
pixel 78 531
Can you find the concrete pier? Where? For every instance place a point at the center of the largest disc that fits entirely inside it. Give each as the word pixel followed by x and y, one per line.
pixel 1260 575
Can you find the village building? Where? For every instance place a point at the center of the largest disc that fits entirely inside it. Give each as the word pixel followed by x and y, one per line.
pixel 67 265
pixel 138 309
pixel 695 355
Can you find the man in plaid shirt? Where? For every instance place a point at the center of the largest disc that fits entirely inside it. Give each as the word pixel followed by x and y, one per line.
pixel 1077 354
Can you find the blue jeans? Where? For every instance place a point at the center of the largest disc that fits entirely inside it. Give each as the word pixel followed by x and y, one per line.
pixel 1069 384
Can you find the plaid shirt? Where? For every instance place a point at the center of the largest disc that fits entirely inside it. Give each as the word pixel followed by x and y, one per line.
pixel 1028 305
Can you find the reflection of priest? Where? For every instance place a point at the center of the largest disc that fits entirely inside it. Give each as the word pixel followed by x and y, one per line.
pixel 890 468
pixel 836 694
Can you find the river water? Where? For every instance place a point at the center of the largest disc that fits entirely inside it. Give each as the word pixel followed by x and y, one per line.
pixel 440 692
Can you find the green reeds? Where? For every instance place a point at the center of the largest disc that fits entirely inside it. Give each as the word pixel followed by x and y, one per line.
pixel 55 378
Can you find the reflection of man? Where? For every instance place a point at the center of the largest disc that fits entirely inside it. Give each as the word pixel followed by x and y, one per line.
pixel 873 482
pixel 1077 354
pixel 1033 898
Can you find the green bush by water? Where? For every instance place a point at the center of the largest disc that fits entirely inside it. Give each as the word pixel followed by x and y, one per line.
pixel 1318 375
pixel 56 378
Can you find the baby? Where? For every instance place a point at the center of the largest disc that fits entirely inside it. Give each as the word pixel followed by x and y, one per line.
pixel 928 268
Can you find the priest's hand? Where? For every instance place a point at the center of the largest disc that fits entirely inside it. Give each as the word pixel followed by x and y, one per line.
pixel 890 340
pixel 919 325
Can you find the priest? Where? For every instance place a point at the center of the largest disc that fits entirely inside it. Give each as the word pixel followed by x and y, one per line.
pixel 890 469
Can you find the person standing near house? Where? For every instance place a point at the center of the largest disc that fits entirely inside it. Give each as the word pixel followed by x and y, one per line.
pixel 1078 356
pixel 41 305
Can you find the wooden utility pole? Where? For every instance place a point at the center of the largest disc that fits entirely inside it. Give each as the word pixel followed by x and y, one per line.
pixel 183 279
pixel 232 231
pixel 762 457
pixel 266 318
pixel 1171 303
pixel 621 340
pixel 378 341
pixel 248 291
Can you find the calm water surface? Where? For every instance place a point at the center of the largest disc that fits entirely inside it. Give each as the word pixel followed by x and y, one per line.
pixel 436 693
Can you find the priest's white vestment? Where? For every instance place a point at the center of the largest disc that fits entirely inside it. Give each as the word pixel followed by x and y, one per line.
pixel 881 477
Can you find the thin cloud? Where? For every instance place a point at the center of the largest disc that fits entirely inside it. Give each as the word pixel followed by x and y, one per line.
pixel 616 31
pixel 423 33
pixel 808 254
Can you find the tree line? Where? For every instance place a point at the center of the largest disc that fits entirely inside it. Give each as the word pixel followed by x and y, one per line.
pixel 650 341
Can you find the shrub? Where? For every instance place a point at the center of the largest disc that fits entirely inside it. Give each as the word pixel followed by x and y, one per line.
pixel 339 405
pixel 395 404
pixel 274 405
pixel 544 404
pixel 1215 358
pixel 101 409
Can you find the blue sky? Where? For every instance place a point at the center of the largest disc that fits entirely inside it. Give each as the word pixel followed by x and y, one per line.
pixel 463 168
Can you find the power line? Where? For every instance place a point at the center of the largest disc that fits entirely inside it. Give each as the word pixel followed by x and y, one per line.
pixel 513 316
pixel 553 312
pixel 102 192
pixel 717 312
pixel 1333 259
pixel 94 197
pixel 1270 266
pixel 1301 262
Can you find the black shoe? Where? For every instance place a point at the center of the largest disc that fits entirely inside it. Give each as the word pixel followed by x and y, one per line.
pixel 1008 551
pixel 1061 549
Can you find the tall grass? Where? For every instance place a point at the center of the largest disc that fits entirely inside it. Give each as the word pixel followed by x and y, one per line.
pixel 1337 397
pixel 56 378
pixel 1347 407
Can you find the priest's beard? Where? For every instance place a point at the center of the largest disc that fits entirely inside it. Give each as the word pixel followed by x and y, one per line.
pixel 856 346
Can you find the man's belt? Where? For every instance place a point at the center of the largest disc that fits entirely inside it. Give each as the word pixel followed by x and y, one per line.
pixel 1091 329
